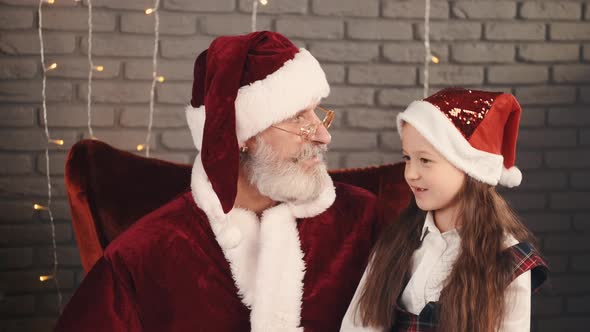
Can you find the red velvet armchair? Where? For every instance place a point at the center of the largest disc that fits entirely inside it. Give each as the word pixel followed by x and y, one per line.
pixel 109 189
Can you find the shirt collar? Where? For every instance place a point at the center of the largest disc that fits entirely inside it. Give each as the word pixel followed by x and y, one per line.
pixel 430 227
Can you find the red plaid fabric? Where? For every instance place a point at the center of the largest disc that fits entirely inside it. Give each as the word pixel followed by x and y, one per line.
pixel 525 259
pixel 424 322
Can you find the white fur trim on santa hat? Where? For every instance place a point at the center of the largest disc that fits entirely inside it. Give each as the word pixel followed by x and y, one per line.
pixel 448 140
pixel 511 177
pixel 299 83
pixel 265 255
pixel 195 116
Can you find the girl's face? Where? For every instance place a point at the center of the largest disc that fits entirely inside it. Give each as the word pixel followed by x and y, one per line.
pixel 434 181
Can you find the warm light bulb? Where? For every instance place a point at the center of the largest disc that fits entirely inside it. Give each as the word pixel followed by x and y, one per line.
pixel 435 59
pixel 160 79
pixel 50 2
pixel 98 68
pixel 264 2
pixel 52 66
pixel 57 141
pixel 140 147
pixel 45 278
pixel 149 11
pixel 39 207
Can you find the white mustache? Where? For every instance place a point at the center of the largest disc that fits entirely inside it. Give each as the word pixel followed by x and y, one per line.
pixel 311 151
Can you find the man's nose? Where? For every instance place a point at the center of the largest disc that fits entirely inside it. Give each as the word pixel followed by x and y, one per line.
pixel 322 135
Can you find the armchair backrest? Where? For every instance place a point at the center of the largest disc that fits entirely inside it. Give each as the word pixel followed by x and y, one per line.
pixel 110 189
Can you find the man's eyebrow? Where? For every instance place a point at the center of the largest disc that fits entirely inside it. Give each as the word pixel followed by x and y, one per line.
pixel 299 113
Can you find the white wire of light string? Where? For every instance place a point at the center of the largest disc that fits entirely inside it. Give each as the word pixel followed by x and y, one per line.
pixel 255 11
pixel 47 168
pixel 155 77
pixel 91 69
pixel 427 50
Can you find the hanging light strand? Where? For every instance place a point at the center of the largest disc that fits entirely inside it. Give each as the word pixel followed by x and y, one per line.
pixel 47 168
pixel 91 69
pixel 155 77
pixel 254 13
pixel 427 52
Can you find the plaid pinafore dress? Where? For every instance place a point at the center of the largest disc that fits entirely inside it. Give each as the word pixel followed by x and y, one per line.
pixel 525 259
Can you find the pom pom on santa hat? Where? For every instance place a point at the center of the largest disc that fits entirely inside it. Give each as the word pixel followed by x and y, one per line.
pixel 476 131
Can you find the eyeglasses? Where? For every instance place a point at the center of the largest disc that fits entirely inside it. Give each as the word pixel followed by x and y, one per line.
pixel 307 130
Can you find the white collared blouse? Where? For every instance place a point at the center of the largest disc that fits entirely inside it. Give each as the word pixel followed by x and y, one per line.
pixel 431 265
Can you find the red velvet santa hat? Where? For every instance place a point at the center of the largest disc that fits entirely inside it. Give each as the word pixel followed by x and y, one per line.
pixel 474 130
pixel 242 85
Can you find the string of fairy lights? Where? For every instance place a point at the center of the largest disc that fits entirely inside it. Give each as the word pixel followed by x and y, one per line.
pixel 155 77
pixel 91 69
pixel 428 57
pixel 50 140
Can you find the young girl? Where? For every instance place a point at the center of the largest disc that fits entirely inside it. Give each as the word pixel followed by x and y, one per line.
pixel 457 259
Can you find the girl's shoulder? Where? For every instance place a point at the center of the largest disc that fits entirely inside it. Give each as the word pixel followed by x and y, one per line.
pixel 526 258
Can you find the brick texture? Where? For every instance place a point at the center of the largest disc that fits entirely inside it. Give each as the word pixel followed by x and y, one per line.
pixel 549 52
pixel 517 74
pixel 561 10
pixel 170 24
pixel 570 31
pixel 379 30
pixel 373 54
pixel 321 28
pixel 414 9
pixel 277 7
pixel 452 31
pixel 345 51
pixel 413 52
pixel 483 53
pixel 368 8
pixel 484 9
pixel 382 75
pixel 515 31
pixel 16 19
pixel 217 25
pixel 68 19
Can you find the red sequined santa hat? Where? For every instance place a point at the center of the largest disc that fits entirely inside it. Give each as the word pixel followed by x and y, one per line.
pixel 242 85
pixel 474 130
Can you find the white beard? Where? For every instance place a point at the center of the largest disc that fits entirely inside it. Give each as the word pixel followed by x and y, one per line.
pixel 286 180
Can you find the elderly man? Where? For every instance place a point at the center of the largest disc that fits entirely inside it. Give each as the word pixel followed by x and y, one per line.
pixel 263 241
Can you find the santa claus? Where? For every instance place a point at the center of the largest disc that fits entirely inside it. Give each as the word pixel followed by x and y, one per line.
pixel 263 240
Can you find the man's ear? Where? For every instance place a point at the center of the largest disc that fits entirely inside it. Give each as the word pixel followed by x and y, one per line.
pixel 249 144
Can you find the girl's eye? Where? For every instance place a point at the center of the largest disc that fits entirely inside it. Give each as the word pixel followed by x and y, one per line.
pixel 424 160
pixel 405 158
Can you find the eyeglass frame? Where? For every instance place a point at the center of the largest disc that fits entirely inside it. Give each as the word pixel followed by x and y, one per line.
pixel 307 131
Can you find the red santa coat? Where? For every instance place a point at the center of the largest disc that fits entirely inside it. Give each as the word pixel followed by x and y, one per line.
pixel 185 267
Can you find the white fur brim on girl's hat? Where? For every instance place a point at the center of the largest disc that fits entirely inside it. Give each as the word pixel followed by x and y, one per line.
pixel 476 131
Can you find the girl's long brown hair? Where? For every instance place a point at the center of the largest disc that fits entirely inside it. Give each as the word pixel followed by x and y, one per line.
pixel 472 298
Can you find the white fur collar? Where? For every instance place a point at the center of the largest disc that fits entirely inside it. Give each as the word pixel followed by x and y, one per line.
pixel 264 255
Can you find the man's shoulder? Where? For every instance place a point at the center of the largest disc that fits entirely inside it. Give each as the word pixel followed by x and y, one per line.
pixel 169 223
pixel 347 192
pixel 354 202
